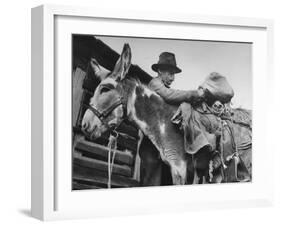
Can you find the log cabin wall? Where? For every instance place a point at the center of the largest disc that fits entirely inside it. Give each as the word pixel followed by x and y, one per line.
pixel 89 164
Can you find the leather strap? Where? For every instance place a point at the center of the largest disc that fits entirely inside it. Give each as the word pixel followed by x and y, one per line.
pixel 102 115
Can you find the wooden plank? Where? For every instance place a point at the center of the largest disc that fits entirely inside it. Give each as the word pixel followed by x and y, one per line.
pixel 77 92
pixel 97 149
pixel 123 170
pixel 123 142
pixel 80 186
pixel 100 178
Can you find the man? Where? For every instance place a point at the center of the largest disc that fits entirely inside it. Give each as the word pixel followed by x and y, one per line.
pixel 153 171
pixel 215 91
pixel 166 69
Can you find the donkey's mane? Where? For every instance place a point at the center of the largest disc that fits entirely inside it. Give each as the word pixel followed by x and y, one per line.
pixel 127 83
pixel 146 99
pixel 128 86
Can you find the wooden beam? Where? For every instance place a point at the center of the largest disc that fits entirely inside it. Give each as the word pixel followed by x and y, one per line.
pixel 80 186
pixel 123 170
pixel 100 178
pixel 77 93
pixel 123 143
pixel 96 149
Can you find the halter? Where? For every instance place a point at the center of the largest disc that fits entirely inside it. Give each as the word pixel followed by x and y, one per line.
pixel 112 144
pixel 102 115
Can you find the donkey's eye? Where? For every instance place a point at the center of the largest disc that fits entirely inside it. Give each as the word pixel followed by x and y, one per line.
pixel 104 89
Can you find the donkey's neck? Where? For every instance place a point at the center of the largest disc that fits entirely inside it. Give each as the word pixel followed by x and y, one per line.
pixel 150 113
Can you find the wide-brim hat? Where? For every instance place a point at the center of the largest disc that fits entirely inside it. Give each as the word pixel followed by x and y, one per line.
pixel 167 61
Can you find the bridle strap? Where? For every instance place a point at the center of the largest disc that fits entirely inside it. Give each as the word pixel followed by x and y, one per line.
pixel 95 111
pixel 102 115
pixel 107 111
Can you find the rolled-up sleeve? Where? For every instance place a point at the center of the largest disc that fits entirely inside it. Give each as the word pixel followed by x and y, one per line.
pixel 172 96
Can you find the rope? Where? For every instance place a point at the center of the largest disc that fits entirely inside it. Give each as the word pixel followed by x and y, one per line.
pixel 225 118
pixel 223 123
pixel 224 114
pixel 112 145
pixel 211 169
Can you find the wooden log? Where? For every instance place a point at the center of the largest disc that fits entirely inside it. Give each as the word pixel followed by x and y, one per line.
pixel 77 92
pixel 123 143
pixel 100 178
pixel 78 185
pixel 99 150
pixel 123 170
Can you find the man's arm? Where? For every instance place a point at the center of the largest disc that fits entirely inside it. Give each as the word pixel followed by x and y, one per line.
pixel 173 96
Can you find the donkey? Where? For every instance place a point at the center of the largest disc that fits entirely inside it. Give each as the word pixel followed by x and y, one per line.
pixel 119 96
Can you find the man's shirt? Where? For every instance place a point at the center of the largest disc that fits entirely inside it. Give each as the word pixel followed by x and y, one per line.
pixel 171 96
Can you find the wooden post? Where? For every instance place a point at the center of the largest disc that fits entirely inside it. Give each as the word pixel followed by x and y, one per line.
pixel 78 77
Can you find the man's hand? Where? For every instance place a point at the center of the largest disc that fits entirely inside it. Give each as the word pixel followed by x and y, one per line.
pixel 201 92
pixel 195 96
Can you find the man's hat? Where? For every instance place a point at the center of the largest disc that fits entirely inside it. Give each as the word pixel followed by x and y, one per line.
pixel 167 61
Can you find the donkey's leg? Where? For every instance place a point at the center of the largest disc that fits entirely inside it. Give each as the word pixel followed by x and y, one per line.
pixel 190 170
pixel 151 171
pixel 177 163
pixel 178 171
pixel 151 164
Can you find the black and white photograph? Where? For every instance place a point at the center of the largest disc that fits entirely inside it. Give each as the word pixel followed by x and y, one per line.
pixel 140 113
pixel 158 112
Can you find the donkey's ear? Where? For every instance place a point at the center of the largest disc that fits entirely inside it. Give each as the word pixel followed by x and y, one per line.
pixel 123 64
pixel 99 71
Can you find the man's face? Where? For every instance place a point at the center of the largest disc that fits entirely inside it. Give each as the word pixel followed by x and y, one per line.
pixel 167 77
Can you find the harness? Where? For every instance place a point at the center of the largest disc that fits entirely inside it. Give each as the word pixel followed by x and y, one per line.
pixel 226 120
pixel 103 114
pixel 112 143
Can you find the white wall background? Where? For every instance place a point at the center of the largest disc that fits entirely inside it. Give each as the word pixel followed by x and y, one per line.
pixel 15 112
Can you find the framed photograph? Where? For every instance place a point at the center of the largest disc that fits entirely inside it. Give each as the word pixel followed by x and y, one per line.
pixel 136 112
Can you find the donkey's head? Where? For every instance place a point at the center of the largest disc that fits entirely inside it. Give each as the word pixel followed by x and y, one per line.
pixel 107 107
